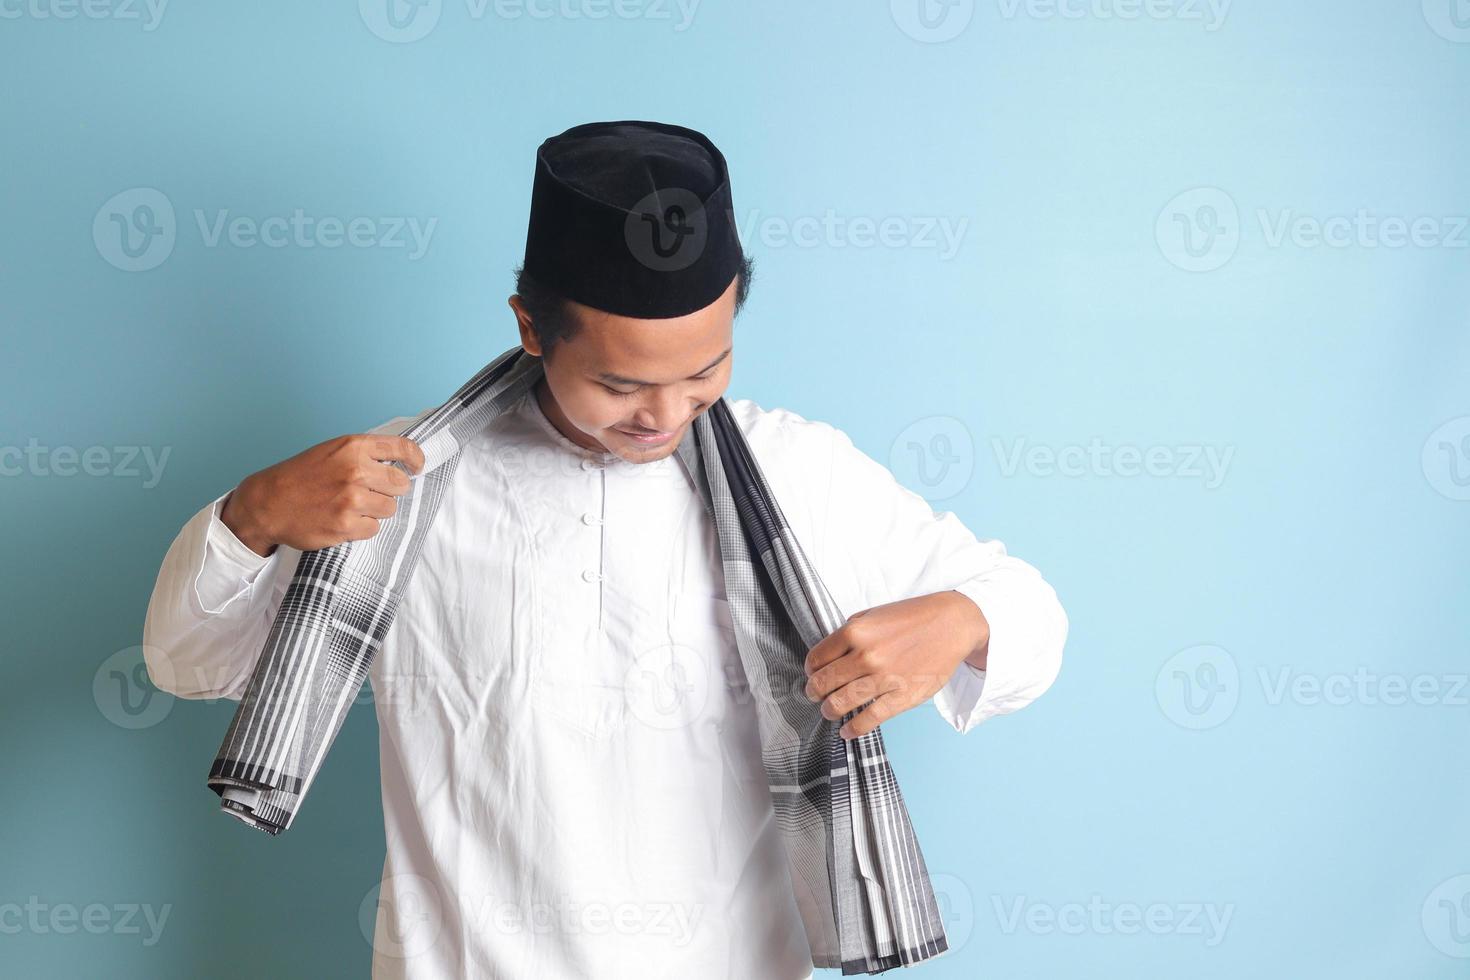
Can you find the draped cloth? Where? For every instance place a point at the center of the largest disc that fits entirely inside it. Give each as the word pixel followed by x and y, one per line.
pixel 862 887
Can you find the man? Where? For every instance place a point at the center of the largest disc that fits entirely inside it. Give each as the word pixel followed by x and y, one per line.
pixel 571 768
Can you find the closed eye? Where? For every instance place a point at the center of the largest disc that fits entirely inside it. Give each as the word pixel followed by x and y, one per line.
pixel 625 394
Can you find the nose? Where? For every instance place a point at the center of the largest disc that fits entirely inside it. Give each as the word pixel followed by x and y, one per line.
pixel 666 410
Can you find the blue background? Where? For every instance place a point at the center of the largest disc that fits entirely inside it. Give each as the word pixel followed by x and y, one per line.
pixel 1165 768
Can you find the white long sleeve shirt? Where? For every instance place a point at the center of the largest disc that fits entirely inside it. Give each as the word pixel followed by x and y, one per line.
pixel 571 773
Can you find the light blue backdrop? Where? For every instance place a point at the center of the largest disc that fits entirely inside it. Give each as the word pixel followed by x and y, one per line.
pixel 1171 298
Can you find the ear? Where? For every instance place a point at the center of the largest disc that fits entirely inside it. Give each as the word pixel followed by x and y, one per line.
pixel 529 340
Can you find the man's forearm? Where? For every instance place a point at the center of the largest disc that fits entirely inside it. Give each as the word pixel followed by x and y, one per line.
pixel 981 626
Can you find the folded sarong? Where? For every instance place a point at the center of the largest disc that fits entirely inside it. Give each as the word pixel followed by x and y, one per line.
pixel 863 889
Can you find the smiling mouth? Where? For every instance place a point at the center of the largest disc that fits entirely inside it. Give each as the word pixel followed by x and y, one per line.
pixel 647 437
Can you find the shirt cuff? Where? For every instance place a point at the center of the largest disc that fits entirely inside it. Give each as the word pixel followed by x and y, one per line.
pixel 228 568
pixel 1022 659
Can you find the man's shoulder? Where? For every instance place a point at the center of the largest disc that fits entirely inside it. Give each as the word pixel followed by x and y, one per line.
pixel 759 422
pixel 396 425
pixel 783 434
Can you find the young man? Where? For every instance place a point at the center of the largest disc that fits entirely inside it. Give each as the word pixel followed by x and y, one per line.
pixel 571 768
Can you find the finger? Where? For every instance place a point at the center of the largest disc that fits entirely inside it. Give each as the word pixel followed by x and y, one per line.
pixel 884 706
pixel 362 528
pixel 844 670
pixel 397 448
pixel 852 695
pixel 384 478
pixel 827 649
pixel 378 505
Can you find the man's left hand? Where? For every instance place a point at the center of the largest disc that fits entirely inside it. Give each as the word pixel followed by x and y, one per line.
pixel 896 655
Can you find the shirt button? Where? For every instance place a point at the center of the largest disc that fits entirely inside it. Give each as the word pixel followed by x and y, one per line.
pixel 590 576
pixel 590 519
pixel 591 464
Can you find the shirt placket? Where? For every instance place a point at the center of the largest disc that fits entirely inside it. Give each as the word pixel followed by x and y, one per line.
pixel 597 520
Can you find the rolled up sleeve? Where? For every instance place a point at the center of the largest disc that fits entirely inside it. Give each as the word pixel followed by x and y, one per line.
pixel 903 549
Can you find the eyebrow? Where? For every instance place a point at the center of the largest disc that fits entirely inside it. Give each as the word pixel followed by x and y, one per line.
pixel 620 380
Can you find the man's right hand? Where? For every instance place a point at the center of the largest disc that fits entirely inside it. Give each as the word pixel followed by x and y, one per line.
pixel 335 491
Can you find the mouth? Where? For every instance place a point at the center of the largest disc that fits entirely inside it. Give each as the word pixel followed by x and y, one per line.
pixel 647 438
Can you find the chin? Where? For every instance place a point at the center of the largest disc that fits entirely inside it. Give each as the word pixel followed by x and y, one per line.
pixel 634 453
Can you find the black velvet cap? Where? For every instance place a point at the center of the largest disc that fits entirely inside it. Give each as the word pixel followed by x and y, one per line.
pixel 633 218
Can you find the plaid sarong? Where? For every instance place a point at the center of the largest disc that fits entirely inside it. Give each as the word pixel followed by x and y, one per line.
pixel 864 892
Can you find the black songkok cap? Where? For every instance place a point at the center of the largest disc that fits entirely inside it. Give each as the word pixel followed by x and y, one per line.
pixel 633 218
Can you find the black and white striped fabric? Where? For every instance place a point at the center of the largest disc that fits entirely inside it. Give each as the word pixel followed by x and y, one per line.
pixel 848 838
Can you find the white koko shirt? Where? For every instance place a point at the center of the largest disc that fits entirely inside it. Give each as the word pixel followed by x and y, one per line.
pixel 571 772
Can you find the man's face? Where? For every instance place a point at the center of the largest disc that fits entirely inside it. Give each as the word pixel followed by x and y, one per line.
pixel 619 377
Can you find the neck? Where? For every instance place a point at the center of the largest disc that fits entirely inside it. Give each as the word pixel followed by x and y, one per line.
pixel 560 422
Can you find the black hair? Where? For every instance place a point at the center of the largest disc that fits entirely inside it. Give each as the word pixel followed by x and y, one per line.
pixel 554 323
